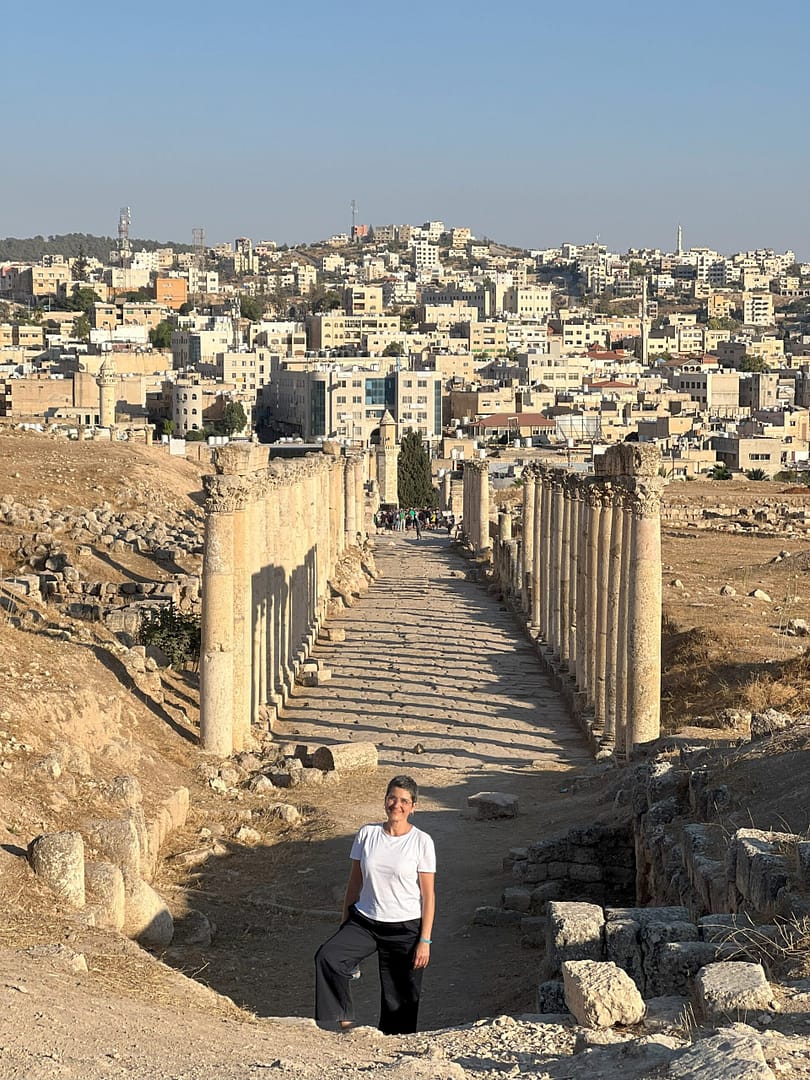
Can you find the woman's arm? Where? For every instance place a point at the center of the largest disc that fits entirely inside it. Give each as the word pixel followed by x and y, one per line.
pixel 428 892
pixel 353 887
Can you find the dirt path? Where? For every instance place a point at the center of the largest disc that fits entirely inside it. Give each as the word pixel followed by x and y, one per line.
pixel 432 661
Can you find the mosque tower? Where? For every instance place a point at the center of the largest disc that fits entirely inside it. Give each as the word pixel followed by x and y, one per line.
pixel 387 459
pixel 107 382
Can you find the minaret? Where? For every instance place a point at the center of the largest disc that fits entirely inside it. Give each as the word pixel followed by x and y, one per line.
pixel 645 343
pixel 387 459
pixel 680 240
pixel 107 382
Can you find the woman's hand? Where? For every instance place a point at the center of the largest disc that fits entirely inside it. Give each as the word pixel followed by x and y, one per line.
pixel 421 957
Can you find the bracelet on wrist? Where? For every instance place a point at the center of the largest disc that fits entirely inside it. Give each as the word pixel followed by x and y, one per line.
pixel 426 940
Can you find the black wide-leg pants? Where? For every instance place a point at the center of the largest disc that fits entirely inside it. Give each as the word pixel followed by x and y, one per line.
pixel 400 983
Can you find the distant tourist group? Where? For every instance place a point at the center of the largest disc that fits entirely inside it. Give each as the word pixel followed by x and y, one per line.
pixel 413 519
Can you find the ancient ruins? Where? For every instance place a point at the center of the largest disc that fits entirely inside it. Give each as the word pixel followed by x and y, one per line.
pixel 585 570
pixel 275 533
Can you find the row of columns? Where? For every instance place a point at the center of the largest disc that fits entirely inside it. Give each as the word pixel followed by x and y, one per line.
pixel 587 573
pixel 273 534
pixel 475 520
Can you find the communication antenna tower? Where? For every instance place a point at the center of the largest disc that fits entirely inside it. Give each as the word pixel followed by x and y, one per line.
pixel 198 244
pixel 354 218
pixel 124 246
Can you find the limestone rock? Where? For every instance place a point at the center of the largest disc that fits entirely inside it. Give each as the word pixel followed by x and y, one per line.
pixel 728 590
pixel 731 990
pixel 493 804
pixel 733 1054
pixel 346 757
pixel 287 813
pixel 126 791
pixel 147 919
pixel 58 858
pixel 60 957
pixel 193 929
pixel 104 883
pixel 575 932
pixel 601 994
pixel 245 835
pixel 760 594
pixel 768 723
pixel 798 627
pixel 118 841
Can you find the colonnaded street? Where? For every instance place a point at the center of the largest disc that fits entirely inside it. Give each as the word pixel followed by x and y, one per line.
pixel 437 673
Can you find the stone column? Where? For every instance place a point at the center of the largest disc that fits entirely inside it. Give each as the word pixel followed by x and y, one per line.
pixel 481 496
pixel 504 525
pixel 644 623
pixel 360 495
pixel 242 635
pixel 216 647
pixel 592 588
pixel 350 500
pixel 623 658
pixel 556 556
pixel 565 572
pixel 615 633
pixel 527 541
pixel 583 528
pixel 602 603
pixel 575 502
pixel 544 484
pixel 538 569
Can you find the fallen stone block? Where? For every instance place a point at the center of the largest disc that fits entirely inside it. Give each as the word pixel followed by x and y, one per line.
pixel 118 841
pixel 731 990
pixel 494 916
pixel 287 813
pixel 58 858
pixel 733 1054
pixel 334 634
pixel 489 805
pixel 346 757
pixel 194 929
pixel 147 918
pixel 600 994
pixel 517 899
pixel 676 965
pixel 104 885
pixel 575 932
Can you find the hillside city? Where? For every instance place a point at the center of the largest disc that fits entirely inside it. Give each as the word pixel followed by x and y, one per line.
pixel 467 342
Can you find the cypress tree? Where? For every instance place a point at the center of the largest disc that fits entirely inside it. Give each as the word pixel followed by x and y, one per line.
pixel 413 473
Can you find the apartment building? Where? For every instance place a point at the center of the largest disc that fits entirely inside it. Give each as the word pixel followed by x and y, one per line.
pixel 716 392
pixel 758 308
pixel 335 402
pixel 245 371
pixel 363 300
pixel 426 256
pixel 340 331
pixel 529 302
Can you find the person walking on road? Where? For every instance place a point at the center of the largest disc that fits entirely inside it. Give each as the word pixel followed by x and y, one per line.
pixel 388 909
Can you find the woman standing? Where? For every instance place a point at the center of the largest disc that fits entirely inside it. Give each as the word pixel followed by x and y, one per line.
pixel 388 909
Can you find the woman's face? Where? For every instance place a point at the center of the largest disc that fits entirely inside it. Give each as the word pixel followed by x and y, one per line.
pixel 398 804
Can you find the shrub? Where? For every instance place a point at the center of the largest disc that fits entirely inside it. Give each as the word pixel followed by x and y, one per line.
pixel 177 634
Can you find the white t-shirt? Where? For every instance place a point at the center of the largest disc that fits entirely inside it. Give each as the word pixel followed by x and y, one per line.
pixel 391 867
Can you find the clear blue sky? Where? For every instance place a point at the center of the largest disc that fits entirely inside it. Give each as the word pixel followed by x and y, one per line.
pixel 531 122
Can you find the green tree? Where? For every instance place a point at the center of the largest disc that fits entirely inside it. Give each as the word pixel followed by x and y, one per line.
pixel 394 348
pixel 326 300
pixel 413 473
pixel 81 327
pixel 167 427
pixel 161 335
pixel 754 363
pixel 177 634
pixel 79 268
pixel 756 474
pixel 234 418
pixel 82 299
pixel 251 308
pixel 196 435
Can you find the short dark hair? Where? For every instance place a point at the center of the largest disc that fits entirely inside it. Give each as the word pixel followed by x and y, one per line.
pixel 407 783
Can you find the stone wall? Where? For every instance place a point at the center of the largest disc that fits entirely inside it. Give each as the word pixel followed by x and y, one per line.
pixel 277 537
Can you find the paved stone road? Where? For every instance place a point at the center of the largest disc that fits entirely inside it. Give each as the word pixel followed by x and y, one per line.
pixel 431 660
